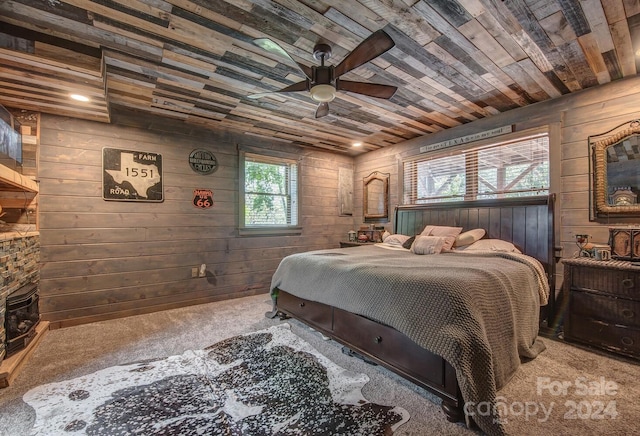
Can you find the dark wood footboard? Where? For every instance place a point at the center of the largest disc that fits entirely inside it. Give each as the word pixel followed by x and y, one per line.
pixel 382 345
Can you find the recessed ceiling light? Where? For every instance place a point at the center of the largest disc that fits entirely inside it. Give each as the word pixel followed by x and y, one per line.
pixel 357 144
pixel 79 97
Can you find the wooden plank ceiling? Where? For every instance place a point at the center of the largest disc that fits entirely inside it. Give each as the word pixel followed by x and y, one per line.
pixel 194 60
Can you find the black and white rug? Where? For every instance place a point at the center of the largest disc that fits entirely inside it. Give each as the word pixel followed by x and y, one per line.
pixel 269 382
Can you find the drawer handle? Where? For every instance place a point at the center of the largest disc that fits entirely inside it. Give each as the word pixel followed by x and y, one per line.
pixel 301 304
pixel 627 283
pixel 627 341
pixel 377 339
pixel 628 313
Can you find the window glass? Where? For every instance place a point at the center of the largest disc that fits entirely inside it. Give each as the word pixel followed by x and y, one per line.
pixel 509 169
pixel 270 191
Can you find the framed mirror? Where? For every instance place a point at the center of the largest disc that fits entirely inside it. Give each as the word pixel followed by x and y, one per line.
pixel 614 158
pixel 376 197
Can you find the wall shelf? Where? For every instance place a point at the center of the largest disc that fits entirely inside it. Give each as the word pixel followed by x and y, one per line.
pixel 11 180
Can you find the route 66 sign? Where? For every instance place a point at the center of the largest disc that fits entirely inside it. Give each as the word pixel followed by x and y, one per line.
pixel 203 198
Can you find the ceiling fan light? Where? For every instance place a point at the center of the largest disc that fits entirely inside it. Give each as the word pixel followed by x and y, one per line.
pixel 323 93
pixel 79 97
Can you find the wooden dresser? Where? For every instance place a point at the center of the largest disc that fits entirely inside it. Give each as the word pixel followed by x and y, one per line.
pixel 345 244
pixel 603 304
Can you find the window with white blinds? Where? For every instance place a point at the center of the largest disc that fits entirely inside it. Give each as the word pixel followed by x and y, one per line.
pixel 269 191
pixel 514 168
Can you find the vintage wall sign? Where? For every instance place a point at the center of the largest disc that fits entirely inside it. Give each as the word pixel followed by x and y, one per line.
pixel 131 175
pixel 203 161
pixel 203 198
pixel 466 139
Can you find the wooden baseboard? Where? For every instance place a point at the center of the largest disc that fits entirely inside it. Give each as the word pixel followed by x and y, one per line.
pixel 11 366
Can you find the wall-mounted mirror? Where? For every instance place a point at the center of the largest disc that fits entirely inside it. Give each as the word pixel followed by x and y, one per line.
pixel 614 158
pixel 376 197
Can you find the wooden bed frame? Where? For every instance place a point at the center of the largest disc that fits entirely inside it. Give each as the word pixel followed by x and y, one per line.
pixel 527 222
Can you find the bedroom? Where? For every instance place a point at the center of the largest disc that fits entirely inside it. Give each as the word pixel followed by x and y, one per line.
pixel 105 259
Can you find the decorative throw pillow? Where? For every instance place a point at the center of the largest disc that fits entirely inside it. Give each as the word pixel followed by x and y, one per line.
pixel 407 244
pixel 396 239
pixel 491 245
pixel 427 245
pixel 427 230
pixel 469 237
pixel 448 233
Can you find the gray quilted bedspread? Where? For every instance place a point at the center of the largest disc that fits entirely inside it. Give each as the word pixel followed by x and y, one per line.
pixel 478 311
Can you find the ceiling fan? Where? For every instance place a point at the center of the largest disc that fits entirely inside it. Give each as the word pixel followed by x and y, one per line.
pixel 323 81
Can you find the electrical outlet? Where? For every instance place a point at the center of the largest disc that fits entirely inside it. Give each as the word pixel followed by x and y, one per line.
pixel 194 272
pixel 203 270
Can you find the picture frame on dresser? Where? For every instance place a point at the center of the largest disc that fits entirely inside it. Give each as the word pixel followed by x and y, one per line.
pixel 625 243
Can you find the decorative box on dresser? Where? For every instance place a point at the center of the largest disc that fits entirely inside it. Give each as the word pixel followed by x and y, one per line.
pixel 603 306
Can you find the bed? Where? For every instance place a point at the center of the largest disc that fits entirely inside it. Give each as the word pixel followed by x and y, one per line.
pixel 457 324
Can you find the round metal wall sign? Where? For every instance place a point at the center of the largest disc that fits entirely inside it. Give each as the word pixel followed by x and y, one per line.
pixel 203 161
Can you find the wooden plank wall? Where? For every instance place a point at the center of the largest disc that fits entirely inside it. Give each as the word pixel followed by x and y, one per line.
pixel 105 259
pixel 572 118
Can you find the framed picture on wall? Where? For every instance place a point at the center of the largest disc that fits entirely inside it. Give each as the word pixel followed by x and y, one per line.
pixel 10 138
pixel 131 175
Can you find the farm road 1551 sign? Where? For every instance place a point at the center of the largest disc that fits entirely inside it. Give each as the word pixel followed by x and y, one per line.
pixel 131 175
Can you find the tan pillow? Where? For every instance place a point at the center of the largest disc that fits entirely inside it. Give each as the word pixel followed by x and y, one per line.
pixel 469 237
pixel 491 245
pixel 427 230
pixel 427 245
pixel 396 239
pixel 448 233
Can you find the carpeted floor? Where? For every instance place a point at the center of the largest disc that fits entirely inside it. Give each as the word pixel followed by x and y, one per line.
pixel 566 390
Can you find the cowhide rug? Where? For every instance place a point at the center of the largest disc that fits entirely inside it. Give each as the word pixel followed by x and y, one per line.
pixel 269 382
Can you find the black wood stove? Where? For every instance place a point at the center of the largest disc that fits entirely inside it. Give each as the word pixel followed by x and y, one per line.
pixel 21 317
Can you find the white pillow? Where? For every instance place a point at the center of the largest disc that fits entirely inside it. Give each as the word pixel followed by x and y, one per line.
pixel 396 239
pixel 448 233
pixel 491 245
pixel 385 235
pixel 427 244
pixel 469 237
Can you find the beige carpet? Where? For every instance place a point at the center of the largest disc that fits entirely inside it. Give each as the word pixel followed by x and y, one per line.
pixel 565 391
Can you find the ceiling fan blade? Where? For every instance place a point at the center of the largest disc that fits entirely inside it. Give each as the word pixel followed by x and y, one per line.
pixel 300 86
pixel 370 89
pixel 322 110
pixel 273 47
pixel 372 47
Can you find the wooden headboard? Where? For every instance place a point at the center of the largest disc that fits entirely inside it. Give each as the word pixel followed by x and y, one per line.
pixel 527 222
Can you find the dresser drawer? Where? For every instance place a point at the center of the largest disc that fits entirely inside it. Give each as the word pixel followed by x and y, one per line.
pixel 623 340
pixel 389 345
pixel 317 314
pixel 611 281
pixel 609 309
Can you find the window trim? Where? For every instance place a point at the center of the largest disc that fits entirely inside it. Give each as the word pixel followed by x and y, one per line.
pixel 266 230
pixel 461 149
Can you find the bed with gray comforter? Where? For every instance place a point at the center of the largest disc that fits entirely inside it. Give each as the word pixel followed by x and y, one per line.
pixel 477 310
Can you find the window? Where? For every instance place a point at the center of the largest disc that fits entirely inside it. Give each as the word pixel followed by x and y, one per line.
pixel 515 168
pixel 268 194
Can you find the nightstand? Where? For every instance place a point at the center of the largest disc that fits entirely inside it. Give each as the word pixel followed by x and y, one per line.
pixel 603 304
pixel 344 244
